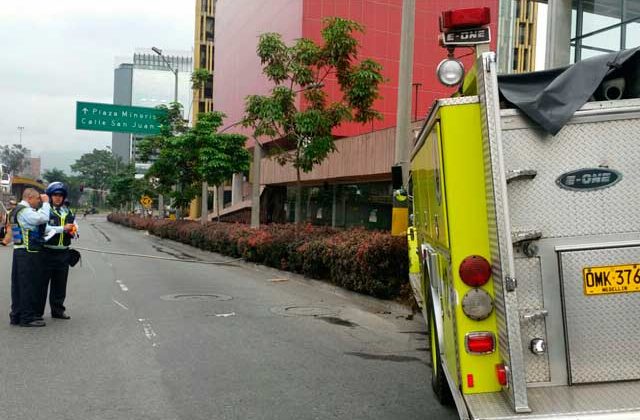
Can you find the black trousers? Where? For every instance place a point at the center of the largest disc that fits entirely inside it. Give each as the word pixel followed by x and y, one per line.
pixel 27 277
pixel 56 271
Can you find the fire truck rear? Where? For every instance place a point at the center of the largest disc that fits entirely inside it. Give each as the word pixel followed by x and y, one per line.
pixel 526 236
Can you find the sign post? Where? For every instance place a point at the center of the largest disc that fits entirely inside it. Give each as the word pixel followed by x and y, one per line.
pixel 117 118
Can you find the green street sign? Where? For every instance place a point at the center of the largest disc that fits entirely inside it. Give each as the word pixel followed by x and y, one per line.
pixel 119 118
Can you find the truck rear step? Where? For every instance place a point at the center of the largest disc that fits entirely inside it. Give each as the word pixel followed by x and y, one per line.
pixel 615 401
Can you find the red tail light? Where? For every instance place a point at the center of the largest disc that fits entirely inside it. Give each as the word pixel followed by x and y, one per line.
pixel 480 342
pixel 501 372
pixel 466 18
pixel 470 380
pixel 475 271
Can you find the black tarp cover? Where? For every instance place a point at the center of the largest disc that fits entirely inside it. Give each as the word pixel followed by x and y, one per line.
pixel 551 97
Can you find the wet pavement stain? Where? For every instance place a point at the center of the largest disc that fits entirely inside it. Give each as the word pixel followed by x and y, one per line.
pixel 102 232
pixel 384 357
pixel 338 321
pixel 180 256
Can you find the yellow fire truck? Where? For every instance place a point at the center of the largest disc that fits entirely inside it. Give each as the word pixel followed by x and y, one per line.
pixel 525 239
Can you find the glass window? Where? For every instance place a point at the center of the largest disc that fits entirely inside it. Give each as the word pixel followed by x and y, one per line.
pixel 609 40
pixel 366 204
pixel 209 28
pixel 633 35
pixel 593 15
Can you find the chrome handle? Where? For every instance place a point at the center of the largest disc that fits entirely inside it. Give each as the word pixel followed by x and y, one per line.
pixel 517 174
pixel 535 314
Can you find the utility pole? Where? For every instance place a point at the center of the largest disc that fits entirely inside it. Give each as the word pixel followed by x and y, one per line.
pixel 255 186
pixel 400 211
pixel 175 99
pixel 403 125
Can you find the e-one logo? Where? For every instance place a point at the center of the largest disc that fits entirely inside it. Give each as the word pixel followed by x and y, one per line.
pixel 588 179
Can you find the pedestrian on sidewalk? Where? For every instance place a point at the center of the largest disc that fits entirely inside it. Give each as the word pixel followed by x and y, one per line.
pixel 28 222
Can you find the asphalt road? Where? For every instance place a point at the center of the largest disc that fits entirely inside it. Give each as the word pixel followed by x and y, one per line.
pixel 158 339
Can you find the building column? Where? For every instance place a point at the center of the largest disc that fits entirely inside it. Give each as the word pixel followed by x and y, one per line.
pixel 505 36
pixel 558 52
pixel 220 199
pixel 236 189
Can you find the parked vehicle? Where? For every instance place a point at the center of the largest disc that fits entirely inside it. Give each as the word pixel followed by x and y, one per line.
pixel 526 242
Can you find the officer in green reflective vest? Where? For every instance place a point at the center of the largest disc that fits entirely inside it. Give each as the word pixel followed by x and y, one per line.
pixel 60 229
pixel 28 224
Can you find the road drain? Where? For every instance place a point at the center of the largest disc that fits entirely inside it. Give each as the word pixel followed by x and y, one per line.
pixel 317 311
pixel 195 297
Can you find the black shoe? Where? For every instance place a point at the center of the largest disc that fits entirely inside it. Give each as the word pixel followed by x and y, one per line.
pixel 62 315
pixel 34 323
pixel 13 321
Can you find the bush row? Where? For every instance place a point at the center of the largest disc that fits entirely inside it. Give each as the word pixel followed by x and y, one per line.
pixel 369 262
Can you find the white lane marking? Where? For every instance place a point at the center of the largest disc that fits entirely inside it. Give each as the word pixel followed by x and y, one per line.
pixel 226 315
pixel 148 331
pixel 122 286
pixel 120 304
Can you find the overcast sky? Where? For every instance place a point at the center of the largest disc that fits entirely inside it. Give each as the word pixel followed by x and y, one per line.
pixel 55 53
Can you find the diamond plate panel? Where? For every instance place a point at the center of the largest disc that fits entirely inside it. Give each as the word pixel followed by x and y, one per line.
pixel 611 401
pixel 540 204
pixel 509 341
pixel 530 297
pixel 603 331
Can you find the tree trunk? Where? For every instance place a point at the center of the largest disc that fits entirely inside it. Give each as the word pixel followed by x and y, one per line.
pixel 298 208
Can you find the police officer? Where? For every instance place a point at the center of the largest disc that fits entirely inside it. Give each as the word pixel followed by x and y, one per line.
pixel 60 230
pixel 28 225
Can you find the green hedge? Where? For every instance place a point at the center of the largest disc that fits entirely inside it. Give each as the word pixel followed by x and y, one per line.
pixel 369 262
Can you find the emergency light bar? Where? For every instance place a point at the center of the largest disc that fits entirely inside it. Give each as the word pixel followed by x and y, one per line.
pixel 465 18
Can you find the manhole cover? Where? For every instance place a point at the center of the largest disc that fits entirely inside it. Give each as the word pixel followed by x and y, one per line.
pixel 195 297
pixel 303 311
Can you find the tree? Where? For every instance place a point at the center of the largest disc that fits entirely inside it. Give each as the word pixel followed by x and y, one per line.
pixel 221 155
pixel 14 157
pixel 197 155
pixel 53 175
pixel 162 173
pixel 72 182
pixel 199 79
pixel 302 68
pixel 125 189
pixel 96 169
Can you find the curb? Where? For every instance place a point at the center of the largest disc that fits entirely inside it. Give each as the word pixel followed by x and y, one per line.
pixel 370 302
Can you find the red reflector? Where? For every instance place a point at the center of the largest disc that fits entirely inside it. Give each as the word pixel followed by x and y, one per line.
pixel 501 372
pixel 466 18
pixel 480 342
pixel 475 271
pixel 470 380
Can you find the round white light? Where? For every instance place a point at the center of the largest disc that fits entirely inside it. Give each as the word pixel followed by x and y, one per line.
pixel 477 304
pixel 450 72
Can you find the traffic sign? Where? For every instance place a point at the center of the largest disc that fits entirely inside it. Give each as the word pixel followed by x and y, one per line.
pixel 146 201
pixel 119 118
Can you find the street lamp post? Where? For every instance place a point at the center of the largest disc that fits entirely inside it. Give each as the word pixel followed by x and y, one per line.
pixel 175 99
pixel 174 71
pixel 20 130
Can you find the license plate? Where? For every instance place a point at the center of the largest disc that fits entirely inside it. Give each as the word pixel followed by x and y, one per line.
pixel 611 279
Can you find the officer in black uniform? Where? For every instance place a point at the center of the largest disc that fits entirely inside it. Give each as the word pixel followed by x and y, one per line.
pixel 28 224
pixel 60 230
